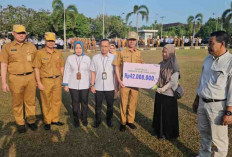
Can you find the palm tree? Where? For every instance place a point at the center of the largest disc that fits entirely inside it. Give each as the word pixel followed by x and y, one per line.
pixel 198 19
pixel 60 12
pixel 227 16
pixel 143 10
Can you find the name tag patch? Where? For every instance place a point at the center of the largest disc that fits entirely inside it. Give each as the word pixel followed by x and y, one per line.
pixel 44 58
pixel 13 49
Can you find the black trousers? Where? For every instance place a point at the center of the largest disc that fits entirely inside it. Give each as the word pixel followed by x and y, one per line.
pixel 165 119
pixel 109 96
pixel 80 97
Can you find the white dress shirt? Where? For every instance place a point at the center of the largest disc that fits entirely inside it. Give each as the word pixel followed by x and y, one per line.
pixel 98 64
pixel 71 70
pixel 216 78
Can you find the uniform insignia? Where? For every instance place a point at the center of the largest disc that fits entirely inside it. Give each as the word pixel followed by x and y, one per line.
pixel 13 49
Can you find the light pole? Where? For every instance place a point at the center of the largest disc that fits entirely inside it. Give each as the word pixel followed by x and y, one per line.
pixel 156 14
pixel 64 30
pixel 103 23
pixel 162 17
pixel 214 16
pixel 121 17
pixel 222 19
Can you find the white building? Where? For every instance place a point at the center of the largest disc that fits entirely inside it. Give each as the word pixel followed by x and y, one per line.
pixel 145 34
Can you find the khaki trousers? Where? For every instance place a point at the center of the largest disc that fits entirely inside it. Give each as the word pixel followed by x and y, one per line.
pixel 51 98
pixel 210 116
pixel 131 95
pixel 23 89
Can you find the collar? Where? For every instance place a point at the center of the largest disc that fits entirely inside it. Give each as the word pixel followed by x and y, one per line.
pixel 106 55
pixel 54 51
pixel 16 43
pixel 134 49
pixel 220 63
pixel 222 57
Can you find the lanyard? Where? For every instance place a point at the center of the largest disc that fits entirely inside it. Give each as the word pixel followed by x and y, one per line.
pixel 79 63
pixel 104 65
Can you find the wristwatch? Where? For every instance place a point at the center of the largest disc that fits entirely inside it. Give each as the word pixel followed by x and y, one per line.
pixel 228 113
pixel 91 85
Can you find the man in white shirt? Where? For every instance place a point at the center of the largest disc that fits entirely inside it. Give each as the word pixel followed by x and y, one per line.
pixel 103 82
pixel 61 43
pixel 214 97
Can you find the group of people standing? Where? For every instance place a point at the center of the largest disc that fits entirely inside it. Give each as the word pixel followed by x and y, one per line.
pixel 88 44
pixel 46 69
pixel 178 42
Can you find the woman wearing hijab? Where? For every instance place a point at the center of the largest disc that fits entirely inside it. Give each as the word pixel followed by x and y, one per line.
pixel 165 119
pixel 113 49
pixel 76 80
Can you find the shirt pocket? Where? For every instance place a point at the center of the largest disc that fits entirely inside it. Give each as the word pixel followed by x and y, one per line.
pixel 219 79
pixel 14 56
pixel 58 62
pixel 138 59
pixel 32 54
pixel 126 59
pixel 84 66
pixel 45 61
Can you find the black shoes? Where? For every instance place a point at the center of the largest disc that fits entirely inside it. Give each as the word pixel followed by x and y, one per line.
pixel 85 123
pixel 57 123
pixel 47 127
pixel 76 124
pixel 32 126
pixel 122 128
pixel 96 124
pixel 21 128
pixel 131 125
pixel 109 123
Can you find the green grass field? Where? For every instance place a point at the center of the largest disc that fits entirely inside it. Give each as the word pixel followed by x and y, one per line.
pixel 103 141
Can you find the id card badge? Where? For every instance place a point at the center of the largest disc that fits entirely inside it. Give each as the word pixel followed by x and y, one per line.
pixel 29 57
pixel 78 76
pixel 104 75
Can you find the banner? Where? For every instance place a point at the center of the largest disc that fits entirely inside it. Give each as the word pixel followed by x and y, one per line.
pixel 140 75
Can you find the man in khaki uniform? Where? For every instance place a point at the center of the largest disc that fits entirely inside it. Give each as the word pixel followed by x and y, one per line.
pixel 182 41
pixel 89 44
pixel 158 42
pixel 119 43
pixel 17 57
pixel 197 41
pixel 148 42
pixel 152 42
pixel 49 66
pixel 131 55
pixel 178 42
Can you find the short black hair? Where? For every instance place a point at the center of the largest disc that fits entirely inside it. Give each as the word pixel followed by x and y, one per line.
pixel 221 36
pixel 104 40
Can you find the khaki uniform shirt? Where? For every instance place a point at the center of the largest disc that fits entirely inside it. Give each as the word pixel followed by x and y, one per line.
pixel 49 64
pixel 19 58
pixel 128 56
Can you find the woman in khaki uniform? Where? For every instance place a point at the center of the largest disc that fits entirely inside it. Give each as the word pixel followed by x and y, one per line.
pixel 49 67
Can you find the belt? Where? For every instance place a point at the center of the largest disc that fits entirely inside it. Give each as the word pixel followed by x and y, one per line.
pixel 212 100
pixel 53 77
pixel 23 74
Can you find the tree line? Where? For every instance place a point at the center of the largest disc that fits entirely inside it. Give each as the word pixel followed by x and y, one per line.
pixel 70 23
